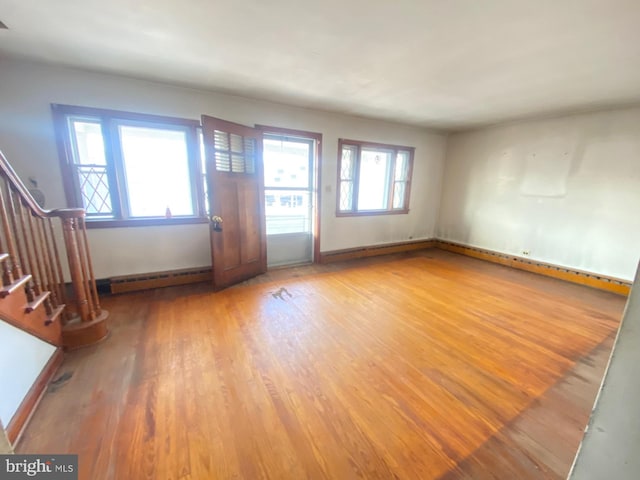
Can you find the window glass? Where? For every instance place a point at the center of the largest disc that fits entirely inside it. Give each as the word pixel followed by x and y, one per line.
pixel 374 180
pixel 156 167
pixel 287 176
pixel 287 211
pixel 402 162
pixel 286 164
pixel 88 142
pixel 347 174
pixel 203 170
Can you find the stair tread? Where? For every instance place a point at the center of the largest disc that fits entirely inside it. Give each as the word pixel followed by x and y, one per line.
pixel 54 315
pixel 39 300
pixel 9 289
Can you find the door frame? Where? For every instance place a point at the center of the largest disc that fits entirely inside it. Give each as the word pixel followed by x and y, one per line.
pixel 317 171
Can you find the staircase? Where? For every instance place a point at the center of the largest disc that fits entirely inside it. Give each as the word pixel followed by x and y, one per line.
pixel 37 316
pixel 47 289
pixel 35 295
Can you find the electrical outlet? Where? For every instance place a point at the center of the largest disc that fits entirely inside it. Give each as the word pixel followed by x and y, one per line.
pixel 525 253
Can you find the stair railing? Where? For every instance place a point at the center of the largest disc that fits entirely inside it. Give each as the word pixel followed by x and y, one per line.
pixel 28 237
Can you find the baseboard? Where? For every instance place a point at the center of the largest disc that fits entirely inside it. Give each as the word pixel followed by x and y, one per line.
pixel 374 250
pixel 147 281
pixel 581 277
pixel 32 399
pixel 595 280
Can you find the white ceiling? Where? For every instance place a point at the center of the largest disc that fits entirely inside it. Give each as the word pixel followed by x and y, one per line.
pixel 450 64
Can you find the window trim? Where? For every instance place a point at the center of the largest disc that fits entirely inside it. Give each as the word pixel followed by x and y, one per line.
pixel 109 121
pixel 359 144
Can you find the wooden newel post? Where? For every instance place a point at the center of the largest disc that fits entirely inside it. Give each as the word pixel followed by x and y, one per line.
pixel 92 327
pixel 70 227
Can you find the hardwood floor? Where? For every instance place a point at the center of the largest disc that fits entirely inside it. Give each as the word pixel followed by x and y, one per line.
pixel 430 366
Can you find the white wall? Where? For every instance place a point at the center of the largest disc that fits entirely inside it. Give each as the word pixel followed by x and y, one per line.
pixel 22 358
pixel 566 189
pixel 27 139
pixel 610 447
pixel 5 446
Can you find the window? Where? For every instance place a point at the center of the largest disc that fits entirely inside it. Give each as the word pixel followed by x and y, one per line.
pixel 288 184
pixel 373 179
pixel 128 168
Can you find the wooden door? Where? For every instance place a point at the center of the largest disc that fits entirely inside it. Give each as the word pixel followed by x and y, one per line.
pixel 236 196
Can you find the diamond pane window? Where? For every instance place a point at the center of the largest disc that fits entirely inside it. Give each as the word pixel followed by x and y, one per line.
pixel 402 162
pixel 89 164
pixel 129 166
pixel 346 196
pixel 401 178
pixel 347 164
pixel 398 194
pixel 94 185
pixel 373 178
pixel 346 167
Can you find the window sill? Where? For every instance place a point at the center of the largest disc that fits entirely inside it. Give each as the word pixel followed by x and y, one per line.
pixel 144 222
pixel 371 213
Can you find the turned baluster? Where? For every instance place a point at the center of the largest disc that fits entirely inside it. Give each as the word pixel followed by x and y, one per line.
pixel 92 278
pixel 17 237
pixel 33 287
pixel 14 271
pixel 83 267
pixel 51 261
pixel 7 277
pixel 70 225
pixel 51 283
pixel 37 269
pixel 7 274
pixel 62 295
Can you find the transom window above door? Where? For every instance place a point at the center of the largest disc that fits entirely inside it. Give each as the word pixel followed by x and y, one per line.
pixel 127 168
pixel 373 178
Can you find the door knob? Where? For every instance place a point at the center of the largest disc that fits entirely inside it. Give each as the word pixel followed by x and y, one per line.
pixel 217 223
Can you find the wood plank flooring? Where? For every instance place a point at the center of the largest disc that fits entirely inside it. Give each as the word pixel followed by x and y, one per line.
pixel 429 366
